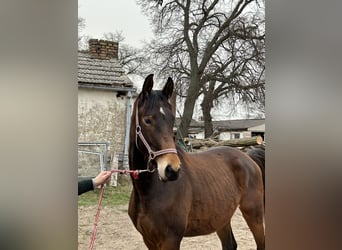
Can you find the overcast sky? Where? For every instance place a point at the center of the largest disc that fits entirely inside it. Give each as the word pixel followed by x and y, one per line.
pixel 103 16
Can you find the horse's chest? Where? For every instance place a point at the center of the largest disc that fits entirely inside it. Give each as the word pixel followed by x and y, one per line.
pixel 147 223
pixel 144 224
pixel 140 216
pixel 153 220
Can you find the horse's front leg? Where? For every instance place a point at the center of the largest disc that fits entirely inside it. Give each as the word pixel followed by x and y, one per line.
pixel 171 242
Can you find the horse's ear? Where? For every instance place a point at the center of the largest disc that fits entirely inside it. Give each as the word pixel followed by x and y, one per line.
pixel 148 85
pixel 168 88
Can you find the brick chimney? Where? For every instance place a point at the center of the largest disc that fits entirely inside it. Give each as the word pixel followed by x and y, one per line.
pixel 102 49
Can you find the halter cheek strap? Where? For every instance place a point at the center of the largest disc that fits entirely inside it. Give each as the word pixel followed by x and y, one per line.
pixel 152 154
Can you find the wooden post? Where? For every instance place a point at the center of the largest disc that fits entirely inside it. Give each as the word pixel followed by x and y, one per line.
pixel 243 142
pixel 114 166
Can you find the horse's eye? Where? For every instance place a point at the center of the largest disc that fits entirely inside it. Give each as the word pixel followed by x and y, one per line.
pixel 148 120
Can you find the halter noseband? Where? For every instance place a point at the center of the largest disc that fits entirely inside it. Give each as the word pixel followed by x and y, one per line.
pixel 152 154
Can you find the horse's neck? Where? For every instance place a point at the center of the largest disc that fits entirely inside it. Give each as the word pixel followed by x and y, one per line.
pixel 136 158
pixel 145 181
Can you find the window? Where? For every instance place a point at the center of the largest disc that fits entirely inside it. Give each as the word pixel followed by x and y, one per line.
pixel 236 135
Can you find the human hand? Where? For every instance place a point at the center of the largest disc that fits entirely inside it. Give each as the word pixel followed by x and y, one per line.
pixel 102 178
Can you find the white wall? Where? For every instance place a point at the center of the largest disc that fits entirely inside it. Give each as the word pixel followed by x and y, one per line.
pixel 102 118
pixel 230 135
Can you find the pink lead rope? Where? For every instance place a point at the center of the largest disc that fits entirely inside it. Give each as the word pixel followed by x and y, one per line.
pixel 93 235
pixel 135 175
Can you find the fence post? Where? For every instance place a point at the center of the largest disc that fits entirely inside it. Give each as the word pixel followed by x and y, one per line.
pixel 114 166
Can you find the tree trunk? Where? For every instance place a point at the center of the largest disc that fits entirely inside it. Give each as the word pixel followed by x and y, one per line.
pixel 207 105
pixel 189 104
pixel 208 124
pixel 187 114
pixel 244 142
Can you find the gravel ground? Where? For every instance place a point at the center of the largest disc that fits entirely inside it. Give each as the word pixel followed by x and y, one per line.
pixel 116 231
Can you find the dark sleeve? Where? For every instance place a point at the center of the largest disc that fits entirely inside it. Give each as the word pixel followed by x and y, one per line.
pixel 85 186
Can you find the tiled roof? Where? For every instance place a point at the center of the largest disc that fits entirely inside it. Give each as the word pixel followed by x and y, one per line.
pixel 237 124
pixel 193 123
pixel 227 125
pixel 101 72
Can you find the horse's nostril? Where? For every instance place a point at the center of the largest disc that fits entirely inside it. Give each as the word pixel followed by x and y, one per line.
pixel 170 173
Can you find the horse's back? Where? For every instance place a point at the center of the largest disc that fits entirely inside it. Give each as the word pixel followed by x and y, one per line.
pixel 220 160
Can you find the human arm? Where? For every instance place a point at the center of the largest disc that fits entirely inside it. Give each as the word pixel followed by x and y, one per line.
pixel 85 186
pixel 90 184
pixel 102 178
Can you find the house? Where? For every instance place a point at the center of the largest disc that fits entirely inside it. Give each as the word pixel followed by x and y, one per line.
pixel 104 107
pixel 236 129
pixel 230 129
pixel 195 129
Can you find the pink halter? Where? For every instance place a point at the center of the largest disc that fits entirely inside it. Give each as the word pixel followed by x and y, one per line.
pixel 152 154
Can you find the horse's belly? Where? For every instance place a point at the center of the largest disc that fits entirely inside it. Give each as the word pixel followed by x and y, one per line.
pixel 206 224
pixel 197 228
pixel 207 216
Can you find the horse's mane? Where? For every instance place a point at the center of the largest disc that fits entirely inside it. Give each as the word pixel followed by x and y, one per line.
pixel 180 150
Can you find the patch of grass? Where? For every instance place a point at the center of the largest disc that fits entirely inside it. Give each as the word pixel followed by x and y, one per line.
pixel 112 196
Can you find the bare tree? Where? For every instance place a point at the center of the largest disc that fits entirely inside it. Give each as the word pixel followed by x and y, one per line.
pixel 193 39
pixel 236 69
pixel 81 37
pixel 81 24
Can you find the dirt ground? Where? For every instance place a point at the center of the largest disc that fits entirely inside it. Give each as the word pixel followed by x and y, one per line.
pixel 116 231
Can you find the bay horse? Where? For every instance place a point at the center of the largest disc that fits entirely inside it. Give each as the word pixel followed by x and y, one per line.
pixel 181 194
pixel 257 153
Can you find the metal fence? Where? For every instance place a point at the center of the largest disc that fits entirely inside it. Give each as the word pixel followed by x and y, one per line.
pixel 94 157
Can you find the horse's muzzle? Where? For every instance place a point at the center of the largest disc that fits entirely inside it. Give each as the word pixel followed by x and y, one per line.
pixel 168 166
pixel 171 174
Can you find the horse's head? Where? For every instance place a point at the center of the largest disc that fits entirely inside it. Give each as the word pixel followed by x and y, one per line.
pixel 154 120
